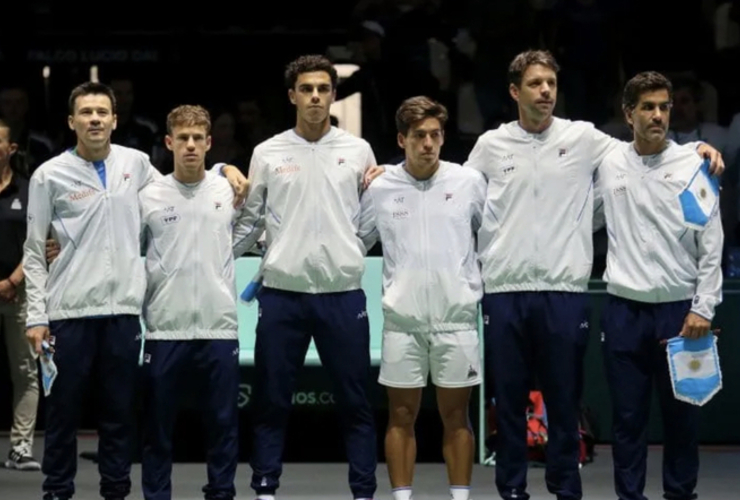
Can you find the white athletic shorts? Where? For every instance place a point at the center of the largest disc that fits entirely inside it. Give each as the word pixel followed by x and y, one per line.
pixel 452 359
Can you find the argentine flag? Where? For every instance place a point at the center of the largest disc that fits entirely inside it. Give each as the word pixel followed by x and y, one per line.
pixel 694 367
pixel 48 368
pixel 700 198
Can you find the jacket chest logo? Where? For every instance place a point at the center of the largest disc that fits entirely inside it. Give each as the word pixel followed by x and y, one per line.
pixel 287 169
pixel 170 219
pixel 170 216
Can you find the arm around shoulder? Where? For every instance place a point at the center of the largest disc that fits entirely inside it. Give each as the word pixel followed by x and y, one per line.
pixel 367 228
pixel 250 221
pixel 40 210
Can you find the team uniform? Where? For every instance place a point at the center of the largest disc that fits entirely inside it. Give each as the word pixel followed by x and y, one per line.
pixel 306 197
pixel 431 278
pixel 536 252
pixel 192 234
pixel 90 297
pixel 658 270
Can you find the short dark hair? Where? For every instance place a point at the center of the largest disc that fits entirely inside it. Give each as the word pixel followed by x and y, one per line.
pixel 529 58
pixel 647 81
pixel 415 109
pixel 91 88
pixel 308 64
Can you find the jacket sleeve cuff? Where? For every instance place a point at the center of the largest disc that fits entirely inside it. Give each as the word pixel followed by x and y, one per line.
pixel 219 168
pixel 702 306
pixel 36 322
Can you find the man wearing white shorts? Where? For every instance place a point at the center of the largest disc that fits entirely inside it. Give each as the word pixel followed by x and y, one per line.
pixel 426 213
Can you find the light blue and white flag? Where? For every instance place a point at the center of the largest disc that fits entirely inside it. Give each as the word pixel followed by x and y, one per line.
pixel 48 367
pixel 694 367
pixel 700 198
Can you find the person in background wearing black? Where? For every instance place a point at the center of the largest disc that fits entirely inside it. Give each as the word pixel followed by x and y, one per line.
pixel 21 358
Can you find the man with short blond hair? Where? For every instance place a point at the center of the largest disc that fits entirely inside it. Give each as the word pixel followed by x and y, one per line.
pixel 190 307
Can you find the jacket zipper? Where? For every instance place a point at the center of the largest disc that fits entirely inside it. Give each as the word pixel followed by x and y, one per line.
pixel 196 248
pixel 425 241
pixel 537 232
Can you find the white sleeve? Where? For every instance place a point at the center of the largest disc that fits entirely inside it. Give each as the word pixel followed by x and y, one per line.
pixel 709 259
pixel 599 217
pixel 368 228
pixel 150 172
pixel 480 187
pixel 250 222
pixel 370 161
pixel 143 232
pixel 601 145
pixel 35 268
pixel 241 233
pixel 479 158
pixel 218 168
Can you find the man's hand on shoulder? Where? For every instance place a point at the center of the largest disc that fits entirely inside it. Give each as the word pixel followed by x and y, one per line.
pixel 371 174
pixel 716 163
pixel 239 183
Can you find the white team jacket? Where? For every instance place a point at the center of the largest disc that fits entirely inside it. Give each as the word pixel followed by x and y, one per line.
pixel 652 256
pixel 99 270
pixel 536 233
pixel 306 196
pixel 192 235
pixel 431 277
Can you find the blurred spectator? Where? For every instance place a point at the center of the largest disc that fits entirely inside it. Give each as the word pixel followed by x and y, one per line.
pixel 586 36
pixel 134 130
pixel 224 146
pixel 21 358
pixel 252 126
pixel 15 110
pixel 688 122
pixel 374 81
pixel 617 126
pixel 500 30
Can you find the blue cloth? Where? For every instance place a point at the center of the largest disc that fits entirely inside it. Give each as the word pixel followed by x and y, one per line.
pixel 700 198
pixel 250 291
pixel 694 368
pixel 100 167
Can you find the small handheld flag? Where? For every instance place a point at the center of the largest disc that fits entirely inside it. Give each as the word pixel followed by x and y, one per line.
pixel 48 367
pixel 694 368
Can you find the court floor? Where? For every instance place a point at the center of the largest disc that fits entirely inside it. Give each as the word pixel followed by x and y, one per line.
pixel 719 479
